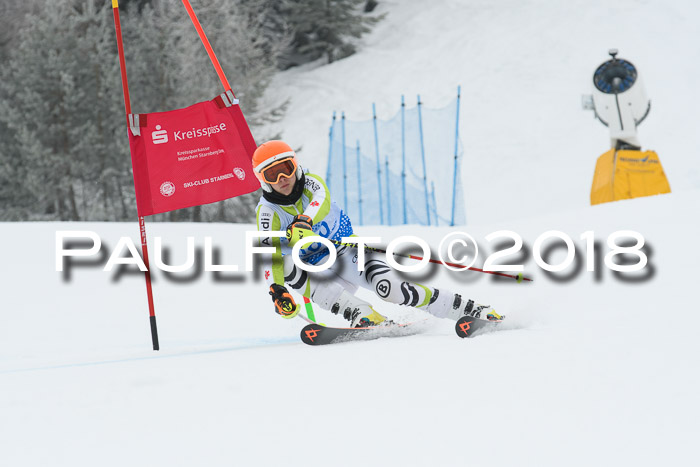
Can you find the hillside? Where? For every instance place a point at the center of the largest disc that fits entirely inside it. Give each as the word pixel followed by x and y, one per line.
pixel 589 368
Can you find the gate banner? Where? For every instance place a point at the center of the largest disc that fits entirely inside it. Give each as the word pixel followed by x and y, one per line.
pixel 192 156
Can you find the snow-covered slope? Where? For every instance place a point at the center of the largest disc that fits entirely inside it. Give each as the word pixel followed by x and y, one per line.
pixel 523 66
pixel 584 372
pixel 587 370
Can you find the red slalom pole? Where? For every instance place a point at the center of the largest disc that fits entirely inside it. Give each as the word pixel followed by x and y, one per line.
pixel 207 45
pixel 518 277
pixel 142 222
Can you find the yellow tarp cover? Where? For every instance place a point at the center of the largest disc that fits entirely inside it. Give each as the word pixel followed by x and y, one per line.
pixel 624 174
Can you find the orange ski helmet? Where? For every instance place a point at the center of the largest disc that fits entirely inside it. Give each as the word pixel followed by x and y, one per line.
pixel 273 160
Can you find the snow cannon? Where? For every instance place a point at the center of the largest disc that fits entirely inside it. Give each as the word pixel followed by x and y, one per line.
pixel 619 102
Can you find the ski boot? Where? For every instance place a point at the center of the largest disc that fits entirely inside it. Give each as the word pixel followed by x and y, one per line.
pixel 461 308
pixel 452 306
pixel 357 311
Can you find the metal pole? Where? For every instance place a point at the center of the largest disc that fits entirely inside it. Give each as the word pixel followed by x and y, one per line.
pixel 454 178
pixel 330 152
pixel 388 192
pixel 359 180
pixel 437 218
pixel 519 277
pixel 422 153
pixel 142 222
pixel 403 159
pixel 345 172
pixel 207 45
pixel 379 171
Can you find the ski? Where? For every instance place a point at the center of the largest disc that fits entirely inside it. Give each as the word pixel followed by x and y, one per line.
pixel 317 334
pixel 468 326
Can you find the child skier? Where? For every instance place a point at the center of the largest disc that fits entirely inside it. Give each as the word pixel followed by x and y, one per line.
pixel 295 201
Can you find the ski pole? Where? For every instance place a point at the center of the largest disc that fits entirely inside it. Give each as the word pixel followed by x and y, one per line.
pixel 519 277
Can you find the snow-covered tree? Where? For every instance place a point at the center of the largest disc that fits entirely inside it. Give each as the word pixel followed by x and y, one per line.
pixel 65 151
pixel 15 197
pixel 57 89
pixel 326 27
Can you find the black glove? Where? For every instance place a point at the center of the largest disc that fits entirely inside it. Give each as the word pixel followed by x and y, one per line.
pixel 284 302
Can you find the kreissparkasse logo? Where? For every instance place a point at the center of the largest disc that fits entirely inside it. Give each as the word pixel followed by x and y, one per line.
pixel 159 137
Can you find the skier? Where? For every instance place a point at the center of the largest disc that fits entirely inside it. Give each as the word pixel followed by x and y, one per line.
pixel 300 204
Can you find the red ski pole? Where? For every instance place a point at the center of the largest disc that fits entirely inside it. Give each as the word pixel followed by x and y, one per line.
pixel 519 277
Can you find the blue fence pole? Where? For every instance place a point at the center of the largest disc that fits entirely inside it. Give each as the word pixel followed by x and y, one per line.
pixel 454 178
pixel 345 170
pixel 379 170
pixel 330 152
pixel 359 181
pixel 403 159
pixel 388 192
pixel 437 218
pixel 422 154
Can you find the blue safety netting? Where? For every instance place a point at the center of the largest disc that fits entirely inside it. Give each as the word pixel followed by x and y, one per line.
pixel 404 170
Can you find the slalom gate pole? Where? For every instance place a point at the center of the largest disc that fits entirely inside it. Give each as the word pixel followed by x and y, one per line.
pixel 388 192
pixel 432 197
pixel 403 158
pixel 359 180
pixel 142 222
pixel 454 177
pixel 519 277
pixel 422 155
pixel 207 45
pixel 379 171
pixel 330 152
pixel 345 168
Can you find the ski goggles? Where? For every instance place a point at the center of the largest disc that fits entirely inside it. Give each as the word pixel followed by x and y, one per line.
pixel 285 168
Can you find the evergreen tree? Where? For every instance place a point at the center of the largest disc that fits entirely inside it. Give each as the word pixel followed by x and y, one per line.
pixel 326 27
pixel 57 90
pixel 16 200
pixel 65 152
pixel 12 17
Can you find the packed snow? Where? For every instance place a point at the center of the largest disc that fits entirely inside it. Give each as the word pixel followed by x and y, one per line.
pixel 589 368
